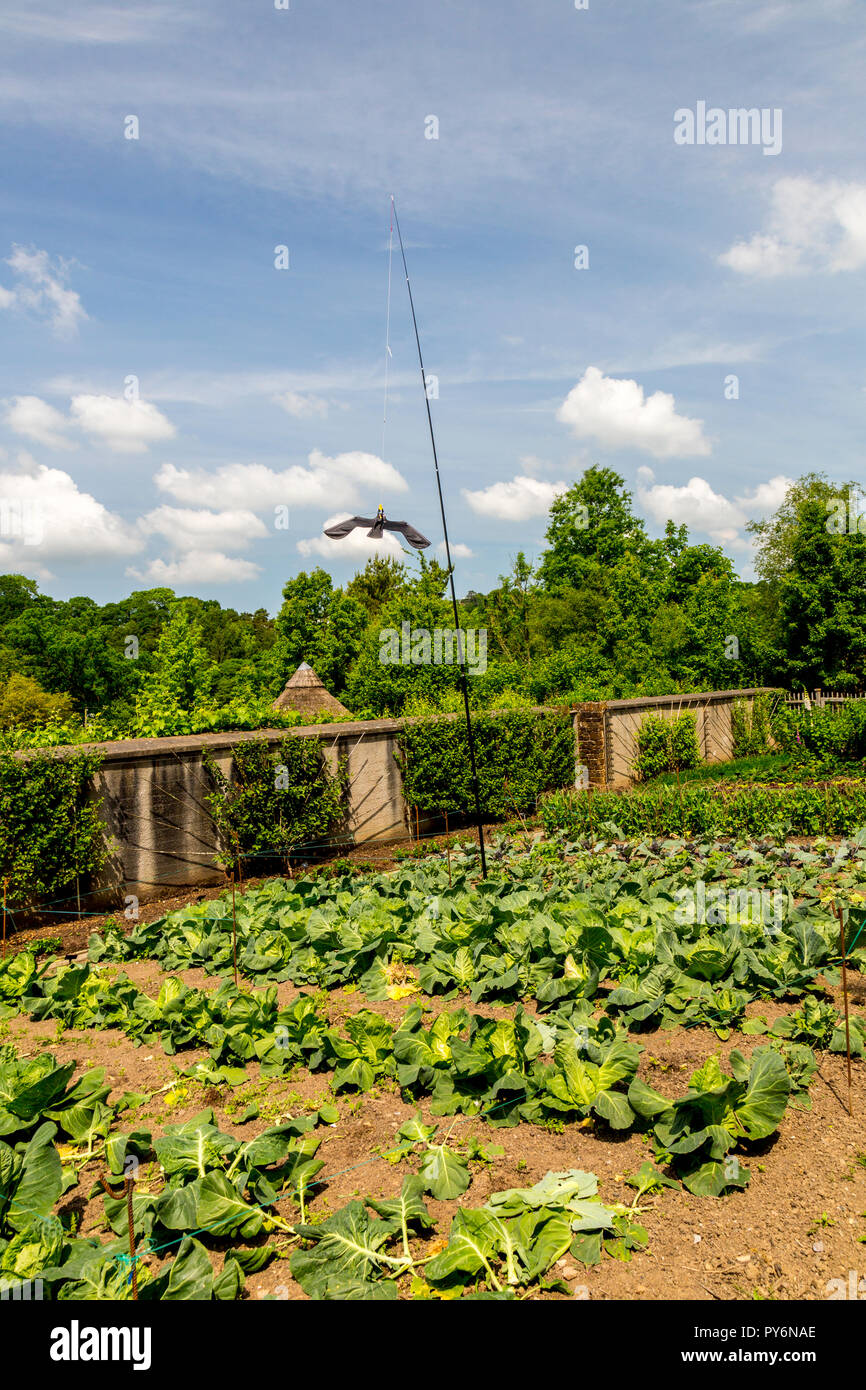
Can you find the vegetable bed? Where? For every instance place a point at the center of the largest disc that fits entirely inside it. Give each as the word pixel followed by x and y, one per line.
pixel 429 1087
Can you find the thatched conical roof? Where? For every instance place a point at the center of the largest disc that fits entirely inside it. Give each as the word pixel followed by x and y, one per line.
pixel 305 693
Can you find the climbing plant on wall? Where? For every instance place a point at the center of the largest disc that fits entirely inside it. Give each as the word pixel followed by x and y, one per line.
pixel 51 834
pixel 273 803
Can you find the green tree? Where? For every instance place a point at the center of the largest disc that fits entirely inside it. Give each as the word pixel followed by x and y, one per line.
pixel 180 685
pixel 815 564
pixel 16 594
pixel 25 705
pixel 592 521
pixel 319 624
pixel 380 581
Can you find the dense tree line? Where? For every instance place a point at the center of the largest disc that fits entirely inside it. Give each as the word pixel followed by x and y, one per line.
pixel 606 611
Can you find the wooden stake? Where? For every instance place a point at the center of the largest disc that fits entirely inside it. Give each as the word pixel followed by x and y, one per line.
pixel 129 1185
pixel 5 886
pixel 447 848
pixel 840 915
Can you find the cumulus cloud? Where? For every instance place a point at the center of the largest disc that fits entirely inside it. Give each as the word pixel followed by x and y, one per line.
pixel 302 407
pixel 516 500
pixel 812 225
pixel 36 419
pixel 698 505
pixel 126 426
pixel 197 567
pixel 201 529
pixel 42 290
pixel 352 480
pixel 459 551
pixel 45 518
pixel 616 414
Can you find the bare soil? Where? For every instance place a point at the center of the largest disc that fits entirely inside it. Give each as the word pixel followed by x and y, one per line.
pixel 799 1224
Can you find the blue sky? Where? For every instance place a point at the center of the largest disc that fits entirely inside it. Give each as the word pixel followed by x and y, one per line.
pixel 168 393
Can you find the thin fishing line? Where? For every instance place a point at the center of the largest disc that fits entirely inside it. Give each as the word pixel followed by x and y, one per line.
pixel 388 353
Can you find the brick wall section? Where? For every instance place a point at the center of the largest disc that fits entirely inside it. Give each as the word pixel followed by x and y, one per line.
pixel 591 742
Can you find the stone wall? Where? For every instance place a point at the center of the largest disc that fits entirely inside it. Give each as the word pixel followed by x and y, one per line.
pixel 157 818
pixel 712 711
pixel 164 838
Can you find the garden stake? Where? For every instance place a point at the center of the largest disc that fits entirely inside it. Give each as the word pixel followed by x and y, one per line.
pixel 447 849
pixel 240 862
pixel 5 885
pixel 128 1185
pixel 234 933
pixel 841 917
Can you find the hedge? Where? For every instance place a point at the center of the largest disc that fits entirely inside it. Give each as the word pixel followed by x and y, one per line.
pixel 520 755
pixel 745 812
pixel 51 835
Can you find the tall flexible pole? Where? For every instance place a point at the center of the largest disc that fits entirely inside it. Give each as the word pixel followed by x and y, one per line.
pixel 469 734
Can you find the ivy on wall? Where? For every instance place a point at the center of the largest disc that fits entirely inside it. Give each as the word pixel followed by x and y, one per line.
pixel 51 834
pixel 275 803
pixel 520 754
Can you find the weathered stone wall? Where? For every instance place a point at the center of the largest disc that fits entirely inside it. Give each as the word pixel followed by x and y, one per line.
pixel 158 821
pixel 154 789
pixel 712 712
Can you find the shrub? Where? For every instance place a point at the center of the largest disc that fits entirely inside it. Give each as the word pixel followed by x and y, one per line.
pixel 751 726
pixel 666 745
pixel 520 754
pixel 50 831
pixel 25 705
pixel 824 736
pixel 275 803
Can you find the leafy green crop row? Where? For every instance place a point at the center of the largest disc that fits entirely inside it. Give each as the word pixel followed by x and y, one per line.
pixel 747 812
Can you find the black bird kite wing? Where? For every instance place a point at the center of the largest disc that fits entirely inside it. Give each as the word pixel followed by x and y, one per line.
pixel 343 528
pixel 412 536
pixel 377 524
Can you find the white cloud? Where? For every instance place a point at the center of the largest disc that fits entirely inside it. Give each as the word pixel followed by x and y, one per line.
pixel 356 546
pixel 459 551
pixel 44 518
pixel 696 504
pixel 200 529
pixel 36 419
pixel 616 415
pixel 325 483
pixel 42 289
pixel 126 426
pixel 516 500
pixel 812 226
pixel 197 567
pixel 701 508
pixel 302 407
pixel 767 497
